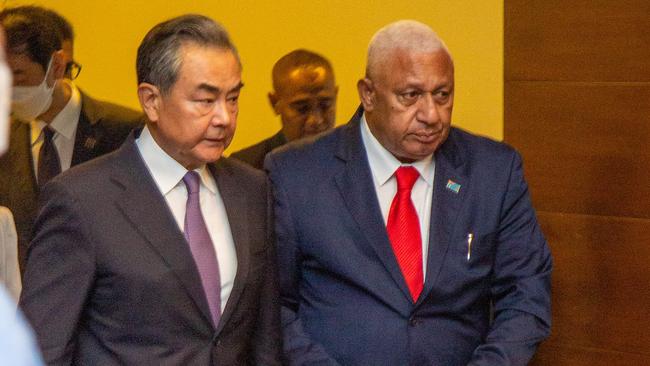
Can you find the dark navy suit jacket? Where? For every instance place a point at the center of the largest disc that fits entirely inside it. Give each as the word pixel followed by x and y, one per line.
pixel 344 298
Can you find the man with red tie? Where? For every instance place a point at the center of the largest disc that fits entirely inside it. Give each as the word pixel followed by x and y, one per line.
pixel 403 240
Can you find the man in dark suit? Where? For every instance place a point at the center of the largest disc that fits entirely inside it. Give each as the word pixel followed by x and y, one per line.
pixel 304 97
pixel 83 128
pixel 161 252
pixel 402 240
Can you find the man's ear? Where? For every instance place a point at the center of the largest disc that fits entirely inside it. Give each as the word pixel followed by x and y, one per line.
pixel 57 69
pixel 366 94
pixel 273 99
pixel 150 100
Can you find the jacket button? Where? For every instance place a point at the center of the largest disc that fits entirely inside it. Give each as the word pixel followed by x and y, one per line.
pixel 413 321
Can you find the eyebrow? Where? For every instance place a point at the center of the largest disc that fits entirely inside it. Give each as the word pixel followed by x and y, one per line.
pixel 213 89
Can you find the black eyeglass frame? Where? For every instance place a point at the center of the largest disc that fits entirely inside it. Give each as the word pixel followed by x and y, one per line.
pixel 72 69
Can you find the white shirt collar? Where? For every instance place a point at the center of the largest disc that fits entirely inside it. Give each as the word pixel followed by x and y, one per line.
pixel 383 164
pixel 65 122
pixel 167 172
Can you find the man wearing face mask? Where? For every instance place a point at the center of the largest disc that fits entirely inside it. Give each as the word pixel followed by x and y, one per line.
pixel 56 126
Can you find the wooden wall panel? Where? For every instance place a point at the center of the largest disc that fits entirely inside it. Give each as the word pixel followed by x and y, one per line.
pixel 601 281
pixel 578 40
pixel 577 106
pixel 586 146
pixel 581 356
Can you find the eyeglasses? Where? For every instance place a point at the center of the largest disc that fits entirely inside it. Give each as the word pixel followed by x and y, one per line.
pixel 72 70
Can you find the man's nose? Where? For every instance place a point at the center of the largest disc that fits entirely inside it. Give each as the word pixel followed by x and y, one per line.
pixel 428 109
pixel 315 118
pixel 221 114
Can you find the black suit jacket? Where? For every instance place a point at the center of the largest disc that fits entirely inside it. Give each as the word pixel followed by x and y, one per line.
pixel 110 279
pixel 102 128
pixel 254 155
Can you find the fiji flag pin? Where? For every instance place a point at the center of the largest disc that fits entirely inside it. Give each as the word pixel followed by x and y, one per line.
pixel 453 186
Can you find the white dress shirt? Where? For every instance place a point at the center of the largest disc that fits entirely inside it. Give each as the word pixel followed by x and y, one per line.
pixel 383 166
pixel 168 175
pixel 64 125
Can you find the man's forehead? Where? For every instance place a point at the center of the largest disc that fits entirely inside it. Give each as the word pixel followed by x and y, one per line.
pixel 309 96
pixel 309 79
pixel 401 63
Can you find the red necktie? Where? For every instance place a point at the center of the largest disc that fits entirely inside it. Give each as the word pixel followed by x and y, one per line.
pixel 404 231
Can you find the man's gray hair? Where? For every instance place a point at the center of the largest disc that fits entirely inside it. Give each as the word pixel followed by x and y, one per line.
pixel 407 35
pixel 159 60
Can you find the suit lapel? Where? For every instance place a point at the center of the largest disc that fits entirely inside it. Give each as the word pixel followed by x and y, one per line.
pixel 22 163
pixel 356 186
pixel 140 199
pixel 236 209
pixel 86 139
pixel 450 189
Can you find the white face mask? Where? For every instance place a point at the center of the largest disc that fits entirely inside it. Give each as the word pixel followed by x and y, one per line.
pixel 29 102
pixel 5 102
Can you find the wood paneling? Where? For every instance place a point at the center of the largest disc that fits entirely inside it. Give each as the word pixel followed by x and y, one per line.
pixel 586 146
pixel 577 106
pixel 581 356
pixel 601 282
pixel 579 40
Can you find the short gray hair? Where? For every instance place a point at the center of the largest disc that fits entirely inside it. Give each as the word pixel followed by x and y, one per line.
pixel 408 35
pixel 159 61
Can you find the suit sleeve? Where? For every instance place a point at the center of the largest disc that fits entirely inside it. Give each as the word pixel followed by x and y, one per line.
pixel 268 337
pixel 520 288
pixel 59 274
pixel 299 348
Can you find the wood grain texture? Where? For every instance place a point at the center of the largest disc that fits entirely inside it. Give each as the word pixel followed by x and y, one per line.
pixel 600 287
pixel 581 356
pixel 586 146
pixel 578 40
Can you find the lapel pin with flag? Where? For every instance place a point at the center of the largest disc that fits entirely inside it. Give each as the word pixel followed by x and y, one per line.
pixel 453 186
pixel 90 143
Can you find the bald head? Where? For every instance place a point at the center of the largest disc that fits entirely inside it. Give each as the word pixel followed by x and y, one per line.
pixel 304 94
pixel 408 36
pixel 288 65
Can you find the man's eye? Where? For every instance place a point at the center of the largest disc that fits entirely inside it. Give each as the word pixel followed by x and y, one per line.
pixel 325 105
pixel 206 101
pixel 410 96
pixel 442 95
pixel 303 109
pixel 233 99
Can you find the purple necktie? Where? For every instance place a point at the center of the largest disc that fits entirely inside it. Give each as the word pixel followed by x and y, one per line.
pixel 201 246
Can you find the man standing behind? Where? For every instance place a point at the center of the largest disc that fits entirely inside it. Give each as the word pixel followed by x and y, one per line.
pixel 304 97
pixel 58 126
pixel 161 252
pixel 402 240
